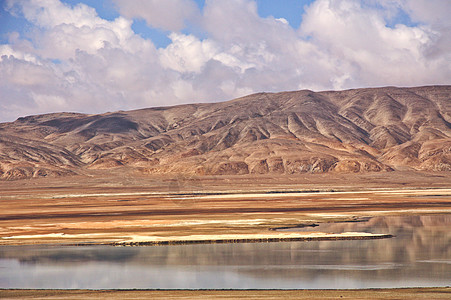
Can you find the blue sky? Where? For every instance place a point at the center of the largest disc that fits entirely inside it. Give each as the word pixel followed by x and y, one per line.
pixel 95 56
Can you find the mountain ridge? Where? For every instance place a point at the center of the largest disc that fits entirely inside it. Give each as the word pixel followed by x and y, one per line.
pixel 357 130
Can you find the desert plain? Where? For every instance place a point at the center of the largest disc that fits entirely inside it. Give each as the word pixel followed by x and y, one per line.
pixel 121 208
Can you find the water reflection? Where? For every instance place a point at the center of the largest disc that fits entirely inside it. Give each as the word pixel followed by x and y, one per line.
pixel 419 255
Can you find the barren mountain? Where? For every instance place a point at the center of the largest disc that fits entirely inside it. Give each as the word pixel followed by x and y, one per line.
pixel 360 130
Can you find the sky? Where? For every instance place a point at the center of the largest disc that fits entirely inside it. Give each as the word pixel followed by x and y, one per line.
pixel 95 56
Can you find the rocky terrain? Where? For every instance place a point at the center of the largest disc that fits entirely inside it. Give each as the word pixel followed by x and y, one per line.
pixel 360 130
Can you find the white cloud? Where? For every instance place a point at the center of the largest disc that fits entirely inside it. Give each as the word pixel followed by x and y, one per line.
pixel 51 13
pixel 25 73
pixel 370 51
pixel 62 30
pixel 168 14
pixel 434 12
pixel 283 21
pixel 187 53
pixel 73 60
pixel 436 15
pixel 7 51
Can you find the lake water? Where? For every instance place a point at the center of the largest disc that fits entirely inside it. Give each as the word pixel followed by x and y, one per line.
pixel 419 256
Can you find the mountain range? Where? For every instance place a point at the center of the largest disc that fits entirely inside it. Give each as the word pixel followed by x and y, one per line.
pixel 359 130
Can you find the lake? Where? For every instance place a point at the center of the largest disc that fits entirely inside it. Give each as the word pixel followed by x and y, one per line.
pixel 418 256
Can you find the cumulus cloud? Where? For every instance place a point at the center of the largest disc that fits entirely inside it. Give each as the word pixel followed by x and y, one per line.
pixel 167 15
pixel 62 29
pixel 73 60
pixel 365 48
pixel 187 53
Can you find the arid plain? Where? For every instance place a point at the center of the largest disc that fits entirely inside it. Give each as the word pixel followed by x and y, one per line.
pixel 118 208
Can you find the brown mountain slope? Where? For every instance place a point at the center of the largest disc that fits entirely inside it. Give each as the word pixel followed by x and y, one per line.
pixel 359 130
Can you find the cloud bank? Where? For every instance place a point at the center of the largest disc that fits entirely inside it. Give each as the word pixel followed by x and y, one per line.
pixel 73 60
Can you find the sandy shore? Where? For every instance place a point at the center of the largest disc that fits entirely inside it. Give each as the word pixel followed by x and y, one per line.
pixel 405 293
pixel 248 238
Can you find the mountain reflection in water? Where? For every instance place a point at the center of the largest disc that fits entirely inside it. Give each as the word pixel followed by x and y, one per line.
pixel 419 255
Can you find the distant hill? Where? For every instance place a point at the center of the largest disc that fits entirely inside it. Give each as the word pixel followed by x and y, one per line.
pixel 360 130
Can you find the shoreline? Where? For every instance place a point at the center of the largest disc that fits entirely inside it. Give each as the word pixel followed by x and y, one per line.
pixel 319 236
pixel 316 236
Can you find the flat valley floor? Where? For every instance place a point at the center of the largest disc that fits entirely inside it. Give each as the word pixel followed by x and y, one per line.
pixel 111 208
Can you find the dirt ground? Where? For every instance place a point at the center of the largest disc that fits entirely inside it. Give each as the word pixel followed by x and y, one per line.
pixel 406 293
pixel 109 207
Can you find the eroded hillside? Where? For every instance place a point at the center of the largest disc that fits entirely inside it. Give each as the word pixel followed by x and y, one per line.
pixel 361 130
